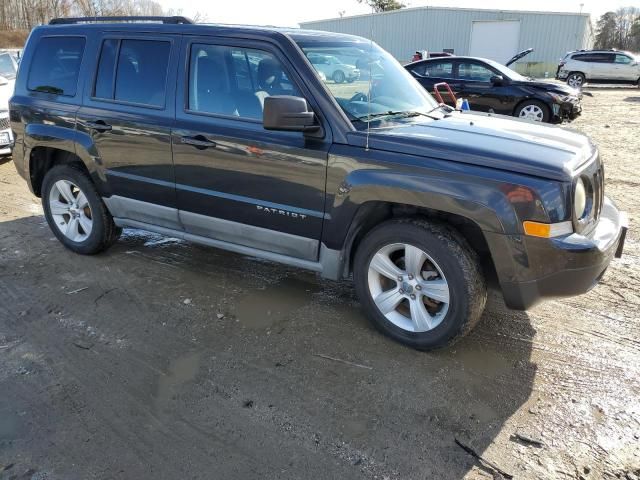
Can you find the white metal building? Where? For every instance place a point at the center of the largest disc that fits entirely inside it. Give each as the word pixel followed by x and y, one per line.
pixel 495 34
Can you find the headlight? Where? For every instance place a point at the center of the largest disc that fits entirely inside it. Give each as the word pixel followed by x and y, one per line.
pixel 579 199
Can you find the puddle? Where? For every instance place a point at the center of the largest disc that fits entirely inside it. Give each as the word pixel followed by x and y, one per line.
pixel 181 370
pixel 266 307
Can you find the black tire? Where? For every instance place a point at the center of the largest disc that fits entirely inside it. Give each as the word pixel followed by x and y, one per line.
pixel 339 76
pixel 104 232
pixel 579 77
pixel 546 112
pixel 458 263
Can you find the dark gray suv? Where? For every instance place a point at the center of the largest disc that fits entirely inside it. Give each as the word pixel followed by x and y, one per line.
pixel 229 137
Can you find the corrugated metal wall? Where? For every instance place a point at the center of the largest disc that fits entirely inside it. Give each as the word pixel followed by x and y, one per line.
pixel 402 32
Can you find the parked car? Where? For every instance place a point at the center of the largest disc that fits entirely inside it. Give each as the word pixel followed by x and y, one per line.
pixel 492 87
pixel 151 126
pixel 334 68
pixel 8 71
pixel 599 66
pixel 6 136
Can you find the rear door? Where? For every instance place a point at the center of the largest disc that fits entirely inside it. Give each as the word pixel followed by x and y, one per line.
pixel 128 112
pixel 626 69
pixel 237 182
pixel 602 66
pixel 432 72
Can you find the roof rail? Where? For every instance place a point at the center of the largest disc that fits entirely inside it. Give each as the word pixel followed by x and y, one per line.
pixel 175 20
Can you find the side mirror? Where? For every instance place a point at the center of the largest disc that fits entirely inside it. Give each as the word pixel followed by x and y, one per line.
pixel 497 80
pixel 3 81
pixel 288 113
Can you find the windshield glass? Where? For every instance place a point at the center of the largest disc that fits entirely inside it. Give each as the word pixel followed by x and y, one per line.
pixel 506 71
pixel 7 67
pixel 367 82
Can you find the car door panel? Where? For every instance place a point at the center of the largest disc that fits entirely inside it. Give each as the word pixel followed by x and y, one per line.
pixel 132 141
pixel 483 95
pixel 244 184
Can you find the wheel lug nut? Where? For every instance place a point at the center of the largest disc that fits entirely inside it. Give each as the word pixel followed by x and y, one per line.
pixel 418 287
pixel 413 297
pixel 410 277
pixel 399 278
pixel 401 291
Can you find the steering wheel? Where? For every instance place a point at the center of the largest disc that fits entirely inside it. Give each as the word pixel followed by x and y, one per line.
pixel 359 97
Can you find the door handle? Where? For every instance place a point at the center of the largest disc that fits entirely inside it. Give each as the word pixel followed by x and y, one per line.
pixel 99 126
pixel 199 141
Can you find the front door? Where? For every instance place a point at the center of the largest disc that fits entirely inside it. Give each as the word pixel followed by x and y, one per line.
pixel 484 96
pixel 128 112
pixel 626 69
pixel 235 181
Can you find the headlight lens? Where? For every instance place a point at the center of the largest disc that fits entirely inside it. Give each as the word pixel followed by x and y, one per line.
pixel 579 199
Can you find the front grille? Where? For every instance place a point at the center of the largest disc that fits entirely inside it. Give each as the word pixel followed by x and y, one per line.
pixel 4 123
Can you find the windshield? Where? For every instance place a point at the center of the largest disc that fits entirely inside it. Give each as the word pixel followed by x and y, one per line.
pixel 506 71
pixel 7 67
pixel 367 82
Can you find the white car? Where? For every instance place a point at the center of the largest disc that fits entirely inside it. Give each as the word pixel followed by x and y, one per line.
pixel 599 66
pixel 333 68
pixel 8 71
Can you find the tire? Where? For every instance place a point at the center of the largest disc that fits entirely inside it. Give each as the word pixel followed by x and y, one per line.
pixel 81 213
pixel 452 263
pixel 338 76
pixel 533 110
pixel 576 79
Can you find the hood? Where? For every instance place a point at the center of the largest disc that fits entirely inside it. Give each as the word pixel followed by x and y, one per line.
pixel 518 56
pixel 559 88
pixel 494 141
pixel 6 92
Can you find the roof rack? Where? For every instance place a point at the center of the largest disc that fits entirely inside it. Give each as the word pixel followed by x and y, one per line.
pixel 175 20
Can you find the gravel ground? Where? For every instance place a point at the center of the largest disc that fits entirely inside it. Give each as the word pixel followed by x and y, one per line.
pixel 164 360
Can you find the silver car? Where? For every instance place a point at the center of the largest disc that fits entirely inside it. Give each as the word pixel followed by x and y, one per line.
pixel 599 66
pixel 333 68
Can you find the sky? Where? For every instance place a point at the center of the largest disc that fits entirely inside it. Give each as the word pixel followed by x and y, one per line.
pixel 289 13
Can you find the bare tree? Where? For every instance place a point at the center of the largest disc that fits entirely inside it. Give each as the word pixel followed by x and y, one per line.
pixel 619 29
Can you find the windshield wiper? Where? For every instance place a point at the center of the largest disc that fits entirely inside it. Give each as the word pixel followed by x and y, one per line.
pixel 391 113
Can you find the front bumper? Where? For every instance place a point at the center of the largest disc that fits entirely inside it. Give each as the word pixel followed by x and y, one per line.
pixel 569 109
pixel 5 148
pixel 562 74
pixel 561 267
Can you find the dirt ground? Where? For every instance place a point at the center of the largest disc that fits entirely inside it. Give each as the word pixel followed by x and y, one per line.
pixel 164 360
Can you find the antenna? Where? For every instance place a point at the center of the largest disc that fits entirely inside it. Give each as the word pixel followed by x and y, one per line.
pixel 370 80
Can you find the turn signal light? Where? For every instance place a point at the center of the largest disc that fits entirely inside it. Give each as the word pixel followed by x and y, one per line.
pixel 547 230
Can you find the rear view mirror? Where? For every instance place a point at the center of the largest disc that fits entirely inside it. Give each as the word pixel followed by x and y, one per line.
pixel 288 113
pixel 497 79
pixel 3 81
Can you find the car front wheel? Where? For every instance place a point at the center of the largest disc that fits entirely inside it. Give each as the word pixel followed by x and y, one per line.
pixel 533 110
pixel 575 80
pixel 339 76
pixel 419 283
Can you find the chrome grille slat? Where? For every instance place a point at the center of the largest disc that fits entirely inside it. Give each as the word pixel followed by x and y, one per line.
pixel 4 123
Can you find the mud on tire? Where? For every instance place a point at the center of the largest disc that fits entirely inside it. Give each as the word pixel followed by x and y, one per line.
pixel 451 254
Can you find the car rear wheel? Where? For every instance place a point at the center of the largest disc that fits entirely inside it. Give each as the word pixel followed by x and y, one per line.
pixel 575 79
pixel 338 76
pixel 419 283
pixel 75 212
pixel 533 110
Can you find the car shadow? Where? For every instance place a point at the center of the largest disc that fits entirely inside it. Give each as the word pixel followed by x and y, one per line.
pixel 632 99
pixel 290 372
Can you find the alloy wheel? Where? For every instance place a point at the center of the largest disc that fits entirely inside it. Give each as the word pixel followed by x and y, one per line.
pixel 408 287
pixel 575 81
pixel 70 210
pixel 532 112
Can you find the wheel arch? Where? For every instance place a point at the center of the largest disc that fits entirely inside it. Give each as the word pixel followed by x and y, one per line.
pixel 49 145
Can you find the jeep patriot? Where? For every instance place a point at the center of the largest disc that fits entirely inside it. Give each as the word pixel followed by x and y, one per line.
pixel 228 136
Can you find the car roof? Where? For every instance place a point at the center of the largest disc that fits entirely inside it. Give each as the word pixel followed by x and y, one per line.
pixel 451 58
pixel 212 29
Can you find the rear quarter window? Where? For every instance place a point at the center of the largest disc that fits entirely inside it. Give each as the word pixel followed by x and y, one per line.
pixel 55 66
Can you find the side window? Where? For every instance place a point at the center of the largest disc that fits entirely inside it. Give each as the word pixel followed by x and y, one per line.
pixel 234 81
pixel 438 69
pixel 474 72
pixel 137 75
pixel 56 65
pixel 623 59
pixel 419 69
